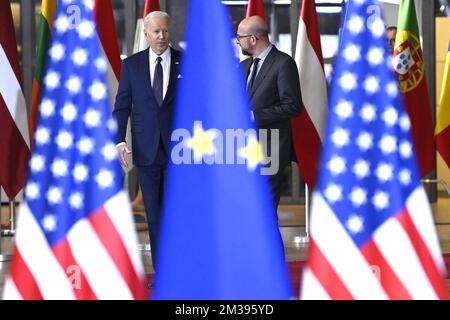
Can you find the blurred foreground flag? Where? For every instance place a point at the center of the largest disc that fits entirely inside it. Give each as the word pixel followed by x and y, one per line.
pixel 105 28
pixel 75 237
pixel 14 135
pixel 219 234
pixel 372 233
pixel 442 134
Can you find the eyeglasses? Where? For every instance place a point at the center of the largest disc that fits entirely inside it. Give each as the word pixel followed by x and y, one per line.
pixel 238 37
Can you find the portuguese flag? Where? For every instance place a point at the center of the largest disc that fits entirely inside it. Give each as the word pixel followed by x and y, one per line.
pixel 443 115
pixel 48 8
pixel 408 63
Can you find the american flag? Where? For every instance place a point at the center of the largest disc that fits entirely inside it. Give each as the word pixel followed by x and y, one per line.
pixel 75 238
pixel 372 232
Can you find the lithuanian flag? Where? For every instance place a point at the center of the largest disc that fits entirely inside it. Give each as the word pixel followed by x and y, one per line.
pixel 48 8
pixel 443 115
pixel 106 31
pixel 408 63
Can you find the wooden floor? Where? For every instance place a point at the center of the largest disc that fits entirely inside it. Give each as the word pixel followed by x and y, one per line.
pixel 292 227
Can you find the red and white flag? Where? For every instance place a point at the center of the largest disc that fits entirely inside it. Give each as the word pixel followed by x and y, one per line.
pixel 256 8
pixel 14 135
pixel 106 28
pixel 308 128
pixel 140 43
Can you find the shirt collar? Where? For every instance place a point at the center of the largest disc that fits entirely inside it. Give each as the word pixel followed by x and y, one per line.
pixel 263 55
pixel 165 55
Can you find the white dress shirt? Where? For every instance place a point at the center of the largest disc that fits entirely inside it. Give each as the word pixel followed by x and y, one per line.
pixel 165 63
pixel 263 55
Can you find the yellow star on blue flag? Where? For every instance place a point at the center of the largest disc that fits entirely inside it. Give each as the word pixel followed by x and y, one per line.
pixel 202 142
pixel 253 153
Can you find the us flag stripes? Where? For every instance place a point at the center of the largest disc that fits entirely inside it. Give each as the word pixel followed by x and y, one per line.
pixel 75 238
pixel 372 232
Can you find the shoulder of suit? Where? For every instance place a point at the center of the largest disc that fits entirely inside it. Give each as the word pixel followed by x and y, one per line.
pixel 282 56
pixel 175 52
pixel 136 56
pixel 249 59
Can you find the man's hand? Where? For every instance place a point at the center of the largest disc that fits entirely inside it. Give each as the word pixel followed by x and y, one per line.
pixel 122 149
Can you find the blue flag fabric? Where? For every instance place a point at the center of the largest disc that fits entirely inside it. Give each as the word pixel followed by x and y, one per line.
pixel 219 236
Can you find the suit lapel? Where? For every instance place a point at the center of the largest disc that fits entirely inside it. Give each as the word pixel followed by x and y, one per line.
pixel 145 69
pixel 174 66
pixel 246 65
pixel 268 62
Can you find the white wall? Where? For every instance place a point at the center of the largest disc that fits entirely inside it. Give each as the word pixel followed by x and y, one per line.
pixel 390 12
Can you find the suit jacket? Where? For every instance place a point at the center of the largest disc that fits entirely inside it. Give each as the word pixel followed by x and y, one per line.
pixel 150 123
pixel 275 99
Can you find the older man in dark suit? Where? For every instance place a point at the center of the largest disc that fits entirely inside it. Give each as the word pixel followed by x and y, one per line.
pixel 146 92
pixel 274 88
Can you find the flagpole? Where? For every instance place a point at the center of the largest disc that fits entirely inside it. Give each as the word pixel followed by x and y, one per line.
pixel 304 238
pixel 306 212
pixel 12 217
pixel 3 257
pixel 437 181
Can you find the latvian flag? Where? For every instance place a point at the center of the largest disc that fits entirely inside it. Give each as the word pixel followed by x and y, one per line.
pixel 14 135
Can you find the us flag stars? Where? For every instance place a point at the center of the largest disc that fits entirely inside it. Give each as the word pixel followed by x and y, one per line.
pixel 370 148
pixel 71 113
pixel 76 214
pixel 369 204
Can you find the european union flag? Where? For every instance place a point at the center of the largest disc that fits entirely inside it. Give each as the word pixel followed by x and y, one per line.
pixel 219 236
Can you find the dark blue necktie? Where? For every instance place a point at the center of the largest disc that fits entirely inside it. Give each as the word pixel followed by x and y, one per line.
pixel 253 75
pixel 158 82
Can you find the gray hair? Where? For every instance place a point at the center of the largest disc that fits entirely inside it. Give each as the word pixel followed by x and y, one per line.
pixel 154 14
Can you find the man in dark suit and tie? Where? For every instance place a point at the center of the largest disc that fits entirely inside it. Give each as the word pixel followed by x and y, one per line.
pixel 274 89
pixel 147 89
